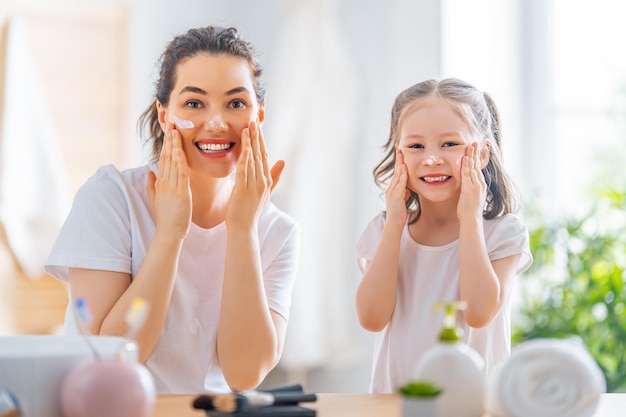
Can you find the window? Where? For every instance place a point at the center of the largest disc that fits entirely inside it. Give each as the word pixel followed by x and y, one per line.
pixel 557 71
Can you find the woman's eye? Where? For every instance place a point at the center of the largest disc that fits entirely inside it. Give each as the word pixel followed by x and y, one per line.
pixel 193 104
pixel 238 104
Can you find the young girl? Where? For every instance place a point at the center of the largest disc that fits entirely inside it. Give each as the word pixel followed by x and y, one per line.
pixel 213 258
pixel 448 233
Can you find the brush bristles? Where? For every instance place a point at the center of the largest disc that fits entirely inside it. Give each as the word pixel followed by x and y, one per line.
pixel 229 403
pixel 203 402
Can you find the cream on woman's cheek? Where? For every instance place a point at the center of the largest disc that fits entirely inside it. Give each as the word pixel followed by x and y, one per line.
pixel 182 123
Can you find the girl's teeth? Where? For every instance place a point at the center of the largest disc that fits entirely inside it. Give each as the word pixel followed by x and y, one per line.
pixel 435 179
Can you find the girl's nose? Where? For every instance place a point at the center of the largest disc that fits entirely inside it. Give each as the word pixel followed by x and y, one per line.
pixel 432 160
pixel 215 123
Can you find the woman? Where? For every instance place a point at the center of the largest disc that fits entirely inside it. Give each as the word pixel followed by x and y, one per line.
pixel 212 257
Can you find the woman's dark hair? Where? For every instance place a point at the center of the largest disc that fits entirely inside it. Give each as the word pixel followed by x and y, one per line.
pixel 213 40
pixel 481 115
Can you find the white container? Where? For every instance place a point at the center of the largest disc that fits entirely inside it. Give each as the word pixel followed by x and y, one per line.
pixel 457 369
pixel 419 407
pixel 32 368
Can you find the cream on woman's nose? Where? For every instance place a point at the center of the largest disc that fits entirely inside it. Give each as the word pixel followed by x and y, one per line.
pixel 215 122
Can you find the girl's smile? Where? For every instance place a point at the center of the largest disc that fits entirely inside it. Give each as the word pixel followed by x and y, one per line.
pixel 435 179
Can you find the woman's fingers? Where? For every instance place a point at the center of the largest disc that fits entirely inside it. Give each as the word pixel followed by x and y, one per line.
pixel 241 178
pixel 264 158
pixel 258 170
pixel 180 162
pixel 276 172
pixel 166 152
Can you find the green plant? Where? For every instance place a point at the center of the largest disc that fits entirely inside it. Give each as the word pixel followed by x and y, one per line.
pixel 423 389
pixel 575 287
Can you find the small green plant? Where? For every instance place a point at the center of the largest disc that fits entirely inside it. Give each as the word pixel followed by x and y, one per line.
pixel 421 389
pixel 575 287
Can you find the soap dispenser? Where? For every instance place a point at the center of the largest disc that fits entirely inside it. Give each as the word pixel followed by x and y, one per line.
pixel 455 367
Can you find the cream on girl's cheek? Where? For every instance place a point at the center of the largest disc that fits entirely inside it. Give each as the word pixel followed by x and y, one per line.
pixel 458 161
pixel 183 124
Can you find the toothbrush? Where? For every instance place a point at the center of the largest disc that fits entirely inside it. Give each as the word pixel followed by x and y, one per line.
pixel 84 318
pixel 136 316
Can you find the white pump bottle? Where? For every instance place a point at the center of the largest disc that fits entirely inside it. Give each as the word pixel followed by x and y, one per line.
pixel 455 367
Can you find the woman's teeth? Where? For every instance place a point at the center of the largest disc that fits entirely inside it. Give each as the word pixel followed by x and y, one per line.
pixel 436 179
pixel 214 147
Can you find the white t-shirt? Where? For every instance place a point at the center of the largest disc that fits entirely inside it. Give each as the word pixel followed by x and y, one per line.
pixel 110 228
pixel 428 275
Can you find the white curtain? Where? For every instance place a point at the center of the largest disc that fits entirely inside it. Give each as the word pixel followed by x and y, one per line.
pixel 312 105
pixel 34 189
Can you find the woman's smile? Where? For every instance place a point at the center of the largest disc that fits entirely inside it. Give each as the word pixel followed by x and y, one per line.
pixel 215 148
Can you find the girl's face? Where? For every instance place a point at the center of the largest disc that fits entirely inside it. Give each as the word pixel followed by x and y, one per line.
pixel 433 139
pixel 212 101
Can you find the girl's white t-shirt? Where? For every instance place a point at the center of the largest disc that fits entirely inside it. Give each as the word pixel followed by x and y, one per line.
pixel 428 275
pixel 110 228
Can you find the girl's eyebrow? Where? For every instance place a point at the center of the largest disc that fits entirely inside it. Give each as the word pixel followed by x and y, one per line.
pixel 443 135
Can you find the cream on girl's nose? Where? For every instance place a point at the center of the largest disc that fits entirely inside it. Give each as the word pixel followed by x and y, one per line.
pixel 432 160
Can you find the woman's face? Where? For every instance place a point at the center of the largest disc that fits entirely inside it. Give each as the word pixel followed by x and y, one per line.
pixel 212 101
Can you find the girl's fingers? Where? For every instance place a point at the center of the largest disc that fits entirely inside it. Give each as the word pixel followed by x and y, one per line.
pixel 399 158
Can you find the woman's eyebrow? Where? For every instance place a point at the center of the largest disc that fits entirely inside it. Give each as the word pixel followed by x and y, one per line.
pixel 198 90
pixel 237 90
pixel 192 89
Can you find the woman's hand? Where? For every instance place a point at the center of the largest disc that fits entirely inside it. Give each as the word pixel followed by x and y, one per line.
pixel 397 194
pixel 254 181
pixel 169 190
pixel 473 185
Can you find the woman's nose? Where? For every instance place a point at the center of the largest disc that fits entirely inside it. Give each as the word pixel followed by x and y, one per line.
pixel 214 122
pixel 433 160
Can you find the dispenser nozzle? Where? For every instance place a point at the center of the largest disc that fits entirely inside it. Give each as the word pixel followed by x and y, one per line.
pixel 450 332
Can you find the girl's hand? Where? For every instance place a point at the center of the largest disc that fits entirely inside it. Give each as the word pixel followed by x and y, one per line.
pixel 397 194
pixel 169 190
pixel 254 181
pixel 473 185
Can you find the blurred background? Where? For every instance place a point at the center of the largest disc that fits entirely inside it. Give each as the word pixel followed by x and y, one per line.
pixel 75 76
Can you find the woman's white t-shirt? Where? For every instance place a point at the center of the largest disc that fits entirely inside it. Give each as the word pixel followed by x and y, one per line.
pixel 110 228
pixel 428 275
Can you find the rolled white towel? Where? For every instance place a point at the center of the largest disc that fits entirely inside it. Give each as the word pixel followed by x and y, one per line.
pixel 546 378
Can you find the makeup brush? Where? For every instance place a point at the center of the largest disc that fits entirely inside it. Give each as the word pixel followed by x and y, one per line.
pixel 8 405
pixel 239 401
pixel 84 318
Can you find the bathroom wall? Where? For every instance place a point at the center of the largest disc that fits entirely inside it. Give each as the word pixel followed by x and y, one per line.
pixel 81 56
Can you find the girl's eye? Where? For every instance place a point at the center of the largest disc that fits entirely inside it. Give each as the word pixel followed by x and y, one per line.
pixel 449 144
pixel 193 104
pixel 238 104
pixel 415 146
